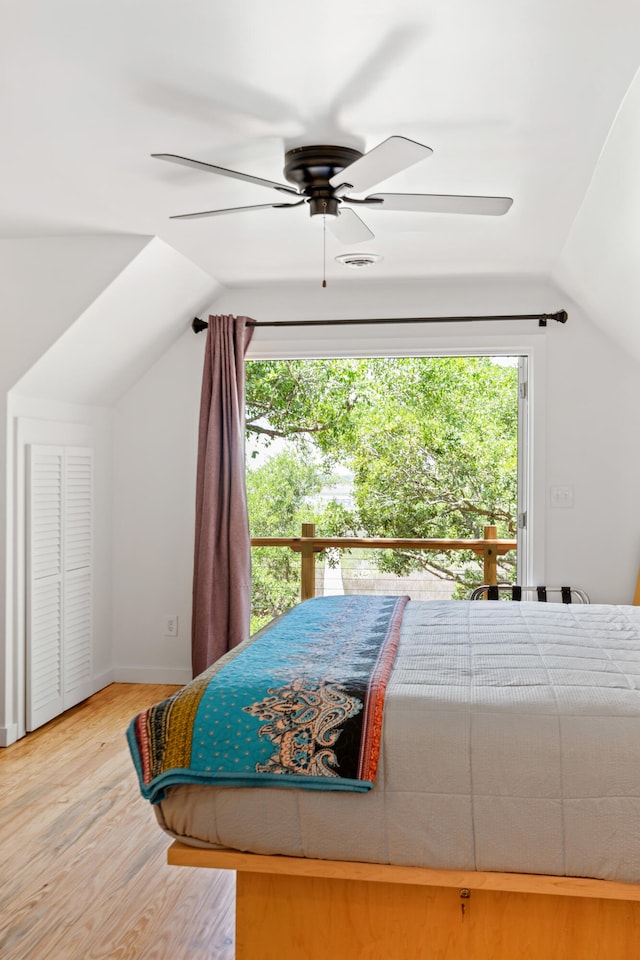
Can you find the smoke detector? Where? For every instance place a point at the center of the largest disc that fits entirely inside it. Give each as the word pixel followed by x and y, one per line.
pixel 357 260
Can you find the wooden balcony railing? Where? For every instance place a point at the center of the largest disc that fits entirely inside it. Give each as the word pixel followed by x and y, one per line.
pixel 307 545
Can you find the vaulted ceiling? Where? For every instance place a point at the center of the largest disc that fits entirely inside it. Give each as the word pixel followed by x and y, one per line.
pixel 515 97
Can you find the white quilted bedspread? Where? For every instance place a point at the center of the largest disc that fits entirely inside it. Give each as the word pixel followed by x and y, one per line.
pixel 511 742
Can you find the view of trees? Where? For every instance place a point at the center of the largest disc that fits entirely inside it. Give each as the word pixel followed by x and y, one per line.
pixel 279 494
pixel 431 444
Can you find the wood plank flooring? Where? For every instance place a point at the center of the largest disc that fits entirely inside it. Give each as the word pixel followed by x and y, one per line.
pixel 83 872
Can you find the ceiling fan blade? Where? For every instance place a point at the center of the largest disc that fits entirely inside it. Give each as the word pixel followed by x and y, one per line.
pixel 223 172
pixel 389 157
pixel 348 228
pixel 215 213
pixel 440 203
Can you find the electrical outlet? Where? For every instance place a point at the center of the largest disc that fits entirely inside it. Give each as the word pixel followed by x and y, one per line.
pixel 171 626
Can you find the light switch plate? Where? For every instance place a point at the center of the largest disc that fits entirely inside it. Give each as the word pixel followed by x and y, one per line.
pixel 562 496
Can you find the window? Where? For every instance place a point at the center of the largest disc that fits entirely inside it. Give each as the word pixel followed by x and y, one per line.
pixel 384 447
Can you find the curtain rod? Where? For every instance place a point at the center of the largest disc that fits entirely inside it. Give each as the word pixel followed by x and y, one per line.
pixel 560 316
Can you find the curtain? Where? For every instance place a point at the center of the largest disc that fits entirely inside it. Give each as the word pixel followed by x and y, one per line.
pixel 222 556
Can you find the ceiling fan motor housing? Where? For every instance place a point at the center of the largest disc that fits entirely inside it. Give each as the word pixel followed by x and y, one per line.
pixel 311 169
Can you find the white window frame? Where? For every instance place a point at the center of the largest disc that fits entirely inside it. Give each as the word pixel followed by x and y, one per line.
pixel 415 340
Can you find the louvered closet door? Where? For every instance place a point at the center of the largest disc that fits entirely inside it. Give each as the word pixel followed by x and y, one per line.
pixel 44 584
pixel 59 579
pixel 77 593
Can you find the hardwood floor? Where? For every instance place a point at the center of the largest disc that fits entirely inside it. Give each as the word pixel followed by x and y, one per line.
pixel 83 873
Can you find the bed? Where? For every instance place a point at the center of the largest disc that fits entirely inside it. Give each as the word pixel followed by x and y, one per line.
pixel 503 816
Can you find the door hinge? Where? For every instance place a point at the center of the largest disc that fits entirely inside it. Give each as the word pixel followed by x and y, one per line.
pixel 522 389
pixel 522 520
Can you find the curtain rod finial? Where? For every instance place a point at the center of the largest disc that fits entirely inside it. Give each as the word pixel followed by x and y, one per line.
pixel 198 325
pixel 560 316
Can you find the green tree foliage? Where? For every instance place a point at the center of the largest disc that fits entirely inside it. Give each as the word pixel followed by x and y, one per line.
pixel 431 443
pixel 436 456
pixel 312 400
pixel 279 496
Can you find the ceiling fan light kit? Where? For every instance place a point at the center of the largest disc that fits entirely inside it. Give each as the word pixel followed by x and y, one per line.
pixel 324 177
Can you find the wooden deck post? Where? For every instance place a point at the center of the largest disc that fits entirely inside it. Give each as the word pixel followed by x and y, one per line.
pixel 308 564
pixel 490 556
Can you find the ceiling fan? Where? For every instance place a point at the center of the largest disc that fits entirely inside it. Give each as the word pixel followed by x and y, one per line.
pixel 324 177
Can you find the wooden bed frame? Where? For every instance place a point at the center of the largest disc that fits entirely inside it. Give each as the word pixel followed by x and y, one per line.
pixel 290 908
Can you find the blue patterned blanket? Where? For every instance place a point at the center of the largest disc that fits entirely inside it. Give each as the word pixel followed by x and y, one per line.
pixel 300 704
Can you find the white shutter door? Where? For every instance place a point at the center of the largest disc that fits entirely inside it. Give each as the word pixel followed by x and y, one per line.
pixel 44 584
pixel 59 579
pixel 77 566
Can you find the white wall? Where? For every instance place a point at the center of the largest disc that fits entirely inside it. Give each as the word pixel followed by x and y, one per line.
pixel 46 422
pixel 156 427
pixel 600 261
pixel 593 390
pixel 112 306
pixel 45 284
pixel 585 383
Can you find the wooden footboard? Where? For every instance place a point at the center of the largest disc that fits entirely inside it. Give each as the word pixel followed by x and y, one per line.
pixel 291 908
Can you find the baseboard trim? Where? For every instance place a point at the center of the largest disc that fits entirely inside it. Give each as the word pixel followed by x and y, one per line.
pixel 177 675
pixel 8 735
pixel 103 680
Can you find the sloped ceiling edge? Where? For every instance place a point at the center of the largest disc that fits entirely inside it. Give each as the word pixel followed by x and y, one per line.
pixel 124 331
pixel 600 261
pixel 45 285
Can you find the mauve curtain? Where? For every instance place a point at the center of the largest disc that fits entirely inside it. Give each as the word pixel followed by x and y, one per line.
pixel 222 558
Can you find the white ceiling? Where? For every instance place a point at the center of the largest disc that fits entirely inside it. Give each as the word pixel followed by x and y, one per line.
pixel 515 97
